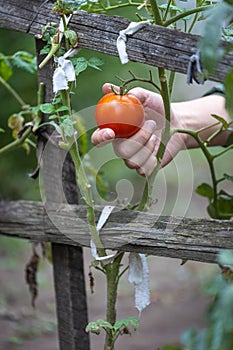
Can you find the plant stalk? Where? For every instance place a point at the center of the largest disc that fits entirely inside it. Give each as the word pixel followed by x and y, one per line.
pixel 85 185
pixel 15 144
pixel 210 159
pixel 112 276
pixel 12 92
pixel 185 14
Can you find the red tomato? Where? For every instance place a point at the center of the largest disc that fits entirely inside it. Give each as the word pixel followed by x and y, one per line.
pixel 123 114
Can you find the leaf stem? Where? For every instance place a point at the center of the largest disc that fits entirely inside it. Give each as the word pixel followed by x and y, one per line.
pixel 15 144
pixel 185 14
pixel 130 3
pixel 209 158
pixel 167 10
pixel 12 92
pixel 226 149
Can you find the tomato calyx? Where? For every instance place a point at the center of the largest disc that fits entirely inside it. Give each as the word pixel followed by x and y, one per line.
pixel 122 90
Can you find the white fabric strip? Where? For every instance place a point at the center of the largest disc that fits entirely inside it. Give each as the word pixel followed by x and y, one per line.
pixel 132 28
pixel 139 276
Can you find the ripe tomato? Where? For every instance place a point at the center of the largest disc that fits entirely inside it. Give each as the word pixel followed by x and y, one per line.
pixel 123 114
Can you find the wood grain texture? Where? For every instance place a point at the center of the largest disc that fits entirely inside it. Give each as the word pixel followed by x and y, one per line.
pixel 152 45
pixel 175 237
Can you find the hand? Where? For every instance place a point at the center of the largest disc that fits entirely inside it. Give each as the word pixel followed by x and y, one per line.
pixel 140 150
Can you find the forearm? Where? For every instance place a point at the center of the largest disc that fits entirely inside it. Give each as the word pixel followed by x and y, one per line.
pixel 196 114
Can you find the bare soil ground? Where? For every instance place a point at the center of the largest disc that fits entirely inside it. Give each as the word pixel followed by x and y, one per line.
pixel 177 303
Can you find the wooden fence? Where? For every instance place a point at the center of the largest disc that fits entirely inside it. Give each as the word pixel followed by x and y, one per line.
pixel 183 238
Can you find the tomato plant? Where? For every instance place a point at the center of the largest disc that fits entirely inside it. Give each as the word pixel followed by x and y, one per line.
pixel 123 114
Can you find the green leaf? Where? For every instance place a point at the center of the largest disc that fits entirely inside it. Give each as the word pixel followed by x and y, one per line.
pixel 2 130
pixel 95 62
pixel 228 177
pixel 205 190
pixel 226 257
pixel 228 83
pixel 68 126
pixel 80 65
pixel 209 46
pixel 133 321
pixel 62 109
pixel 53 116
pixel 221 120
pixel 71 36
pixel 56 126
pixel 5 68
pixel 104 324
pixel 25 61
pixel 225 206
pixel 47 108
pixel 45 50
pixel 230 138
pixel 95 327
pixel 228 33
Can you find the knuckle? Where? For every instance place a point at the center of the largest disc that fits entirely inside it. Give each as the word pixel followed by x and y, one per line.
pixel 122 151
pixel 130 164
pixel 144 136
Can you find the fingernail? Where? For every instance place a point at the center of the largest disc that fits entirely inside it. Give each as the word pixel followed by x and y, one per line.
pixel 153 138
pixel 107 136
pixel 150 125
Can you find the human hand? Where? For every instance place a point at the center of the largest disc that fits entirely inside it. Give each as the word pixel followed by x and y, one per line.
pixel 140 150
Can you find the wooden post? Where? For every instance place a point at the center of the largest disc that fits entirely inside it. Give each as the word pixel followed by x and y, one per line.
pixel 60 186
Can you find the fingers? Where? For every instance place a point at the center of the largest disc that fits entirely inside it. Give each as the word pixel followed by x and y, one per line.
pixel 144 160
pixel 102 136
pixel 137 151
pixel 126 148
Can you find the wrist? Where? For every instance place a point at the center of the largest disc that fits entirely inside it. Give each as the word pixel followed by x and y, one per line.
pixel 197 114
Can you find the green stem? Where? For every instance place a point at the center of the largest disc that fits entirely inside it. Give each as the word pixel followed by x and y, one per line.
pixel 167 10
pixel 156 12
pixel 171 81
pixel 209 158
pixel 226 149
pixel 86 188
pixel 84 183
pixel 112 273
pixel 65 97
pixel 65 28
pixel 15 144
pixel 193 23
pixel 130 3
pixel 40 100
pixel 12 92
pixel 52 52
pixel 135 78
pixel 185 14
pixel 164 90
pixel 146 197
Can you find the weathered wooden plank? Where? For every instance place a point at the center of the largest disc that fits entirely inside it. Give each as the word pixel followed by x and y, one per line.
pixel 175 237
pixel 60 186
pixel 153 45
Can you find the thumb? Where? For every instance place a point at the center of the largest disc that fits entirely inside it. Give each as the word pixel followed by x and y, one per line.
pixel 107 88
